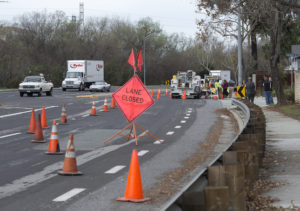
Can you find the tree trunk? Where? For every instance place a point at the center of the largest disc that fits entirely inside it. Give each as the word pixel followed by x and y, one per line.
pixel 275 35
pixel 254 49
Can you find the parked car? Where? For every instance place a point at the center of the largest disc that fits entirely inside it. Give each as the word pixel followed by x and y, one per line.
pixel 100 86
pixel 35 84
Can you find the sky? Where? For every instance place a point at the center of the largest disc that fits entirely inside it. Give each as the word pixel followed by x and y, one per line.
pixel 174 16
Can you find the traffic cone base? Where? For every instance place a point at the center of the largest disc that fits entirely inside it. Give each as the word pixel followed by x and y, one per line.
pixel 105 106
pixel 38 132
pixel 53 148
pixel 70 174
pixel 93 110
pixel 38 141
pixel 133 200
pixel 112 104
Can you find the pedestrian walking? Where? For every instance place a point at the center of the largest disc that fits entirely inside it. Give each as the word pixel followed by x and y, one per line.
pixel 225 88
pixel 250 90
pixel 268 86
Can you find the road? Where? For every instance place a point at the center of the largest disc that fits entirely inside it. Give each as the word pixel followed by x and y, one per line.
pixel 29 179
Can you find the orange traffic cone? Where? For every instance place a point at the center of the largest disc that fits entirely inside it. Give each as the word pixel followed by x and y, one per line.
pixel 32 123
pixel 105 106
pixel 70 164
pixel 152 95
pixel 38 133
pixel 215 97
pixel 167 92
pixel 170 95
pixel 112 104
pixel 93 111
pixel 54 148
pixel 44 119
pixel 134 189
pixel 158 94
pixel 63 116
pixel 184 95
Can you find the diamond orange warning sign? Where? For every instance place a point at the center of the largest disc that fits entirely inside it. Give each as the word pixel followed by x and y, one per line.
pixel 133 98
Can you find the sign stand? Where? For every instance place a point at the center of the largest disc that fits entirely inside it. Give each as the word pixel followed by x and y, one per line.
pixel 132 133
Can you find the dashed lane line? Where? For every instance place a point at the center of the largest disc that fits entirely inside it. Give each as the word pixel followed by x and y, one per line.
pixel 170 133
pixel 142 152
pixel 182 121
pixel 186 117
pixel 69 194
pixel 159 142
pixel 9 135
pixel 177 126
pixel 188 114
pixel 24 112
pixel 115 169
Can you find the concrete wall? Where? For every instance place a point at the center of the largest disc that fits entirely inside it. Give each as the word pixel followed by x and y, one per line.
pixel 297 87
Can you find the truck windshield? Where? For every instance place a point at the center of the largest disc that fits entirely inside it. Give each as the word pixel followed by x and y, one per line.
pixel 32 79
pixel 73 74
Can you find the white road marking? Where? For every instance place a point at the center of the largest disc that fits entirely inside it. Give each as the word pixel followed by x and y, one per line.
pixel 114 169
pixel 157 142
pixel 142 152
pixel 69 194
pixel 189 111
pixel 170 133
pixel 188 114
pixel 177 127
pixel 24 112
pixel 186 117
pixel 224 117
pixel 182 121
pixel 13 134
pixel 85 115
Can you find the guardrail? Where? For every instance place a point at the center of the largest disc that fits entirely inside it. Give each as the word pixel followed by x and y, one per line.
pixel 178 202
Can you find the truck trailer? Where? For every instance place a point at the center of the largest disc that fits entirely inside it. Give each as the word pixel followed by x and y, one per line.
pixel 83 73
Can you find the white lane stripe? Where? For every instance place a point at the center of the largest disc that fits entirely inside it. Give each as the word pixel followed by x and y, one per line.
pixel 114 169
pixel 188 114
pixel 189 111
pixel 13 134
pixel 170 133
pixel 24 112
pixel 177 127
pixel 142 152
pixel 69 194
pixel 186 117
pixel 183 121
pixel 157 142
pixel 85 115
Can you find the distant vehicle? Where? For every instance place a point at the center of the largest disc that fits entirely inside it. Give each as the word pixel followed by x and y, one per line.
pixel 82 73
pixel 188 82
pixel 35 85
pixel 100 86
pixel 220 74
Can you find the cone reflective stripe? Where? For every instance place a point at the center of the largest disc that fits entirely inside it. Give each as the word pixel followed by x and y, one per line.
pixel 134 189
pixel 184 95
pixel 44 119
pixel 63 116
pixel 112 104
pixel 38 133
pixel 167 91
pixel 158 94
pixel 93 111
pixel 105 106
pixel 31 128
pixel 54 148
pixel 70 164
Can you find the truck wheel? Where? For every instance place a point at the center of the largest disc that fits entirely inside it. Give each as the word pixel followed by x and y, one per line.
pixel 49 93
pixel 40 93
pixel 80 88
pixel 64 89
pixel 21 94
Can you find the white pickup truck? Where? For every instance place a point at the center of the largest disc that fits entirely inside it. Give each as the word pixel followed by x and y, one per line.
pixel 35 84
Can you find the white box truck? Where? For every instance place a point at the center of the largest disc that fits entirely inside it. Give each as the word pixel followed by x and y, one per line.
pixel 82 73
pixel 221 74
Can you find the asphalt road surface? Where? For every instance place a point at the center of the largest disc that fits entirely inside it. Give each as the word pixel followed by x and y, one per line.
pixel 29 179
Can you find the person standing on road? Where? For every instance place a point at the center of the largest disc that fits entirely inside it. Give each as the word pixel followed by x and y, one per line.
pixel 225 87
pixel 250 90
pixel 268 90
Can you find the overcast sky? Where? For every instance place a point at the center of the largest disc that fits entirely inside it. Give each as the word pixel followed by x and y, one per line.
pixel 173 15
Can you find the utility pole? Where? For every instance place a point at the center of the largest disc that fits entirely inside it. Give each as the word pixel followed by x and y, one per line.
pixel 81 13
pixel 240 70
pixel 144 44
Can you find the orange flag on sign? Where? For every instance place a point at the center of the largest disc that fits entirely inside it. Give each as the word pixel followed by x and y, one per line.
pixel 140 61
pixel 131 60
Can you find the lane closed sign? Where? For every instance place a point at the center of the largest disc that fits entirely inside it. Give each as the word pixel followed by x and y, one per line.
pixel 133 98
